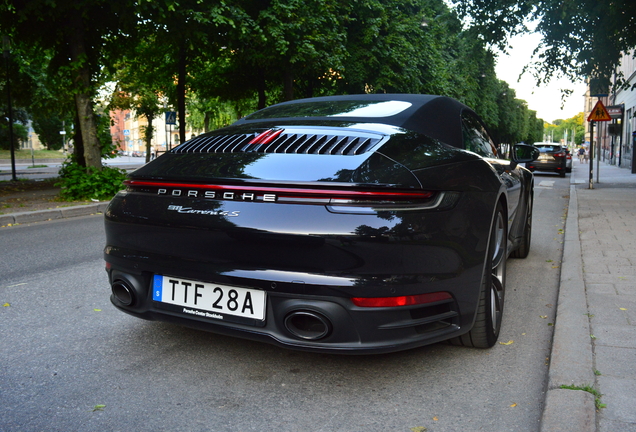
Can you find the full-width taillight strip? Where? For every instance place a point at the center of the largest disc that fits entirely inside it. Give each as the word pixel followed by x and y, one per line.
pixel 293 192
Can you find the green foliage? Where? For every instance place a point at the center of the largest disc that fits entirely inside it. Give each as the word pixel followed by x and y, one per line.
pixel 20 134
pixel 78 183
pixel 48 130
pixel 108 148
pixel 76 41
pixel 588 388
pixel 557 130
pixel 225 59
pixel 581 38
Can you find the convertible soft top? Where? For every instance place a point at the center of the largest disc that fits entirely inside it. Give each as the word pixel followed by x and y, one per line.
pixel 435 116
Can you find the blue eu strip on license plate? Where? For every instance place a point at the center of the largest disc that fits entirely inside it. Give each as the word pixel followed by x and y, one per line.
pixel 209 299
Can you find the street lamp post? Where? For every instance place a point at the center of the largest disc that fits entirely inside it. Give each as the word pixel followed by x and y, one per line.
pixel 63 133
pixel 6 46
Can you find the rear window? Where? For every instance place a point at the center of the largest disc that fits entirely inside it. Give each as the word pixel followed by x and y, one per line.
pixel 346 108
pixel 544 149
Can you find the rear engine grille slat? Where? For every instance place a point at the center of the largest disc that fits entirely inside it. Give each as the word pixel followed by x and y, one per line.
pixel 233 144
pixel 362 146
pixel 338 145
pixel 322 148
pixel 289 143
pixel 198 149
pixel 216 145
pixel 294 145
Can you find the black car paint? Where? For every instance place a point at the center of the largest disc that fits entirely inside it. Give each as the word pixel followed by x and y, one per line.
pixel 308 257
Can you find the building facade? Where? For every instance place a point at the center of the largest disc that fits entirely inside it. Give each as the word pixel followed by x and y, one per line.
pixel 128 132
pixel 622 135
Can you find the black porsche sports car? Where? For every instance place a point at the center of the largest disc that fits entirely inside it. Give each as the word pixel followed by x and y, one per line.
pixel 345 224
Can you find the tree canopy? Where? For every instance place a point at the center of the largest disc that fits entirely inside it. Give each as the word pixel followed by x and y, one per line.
pixel 214 62
pixel 580 38
pixel 573 129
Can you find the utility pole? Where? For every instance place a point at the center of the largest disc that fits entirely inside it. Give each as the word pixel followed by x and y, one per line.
pixel 599 114
pixel 591 153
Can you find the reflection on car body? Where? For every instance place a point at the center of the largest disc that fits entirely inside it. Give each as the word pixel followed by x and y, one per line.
pixel 344 224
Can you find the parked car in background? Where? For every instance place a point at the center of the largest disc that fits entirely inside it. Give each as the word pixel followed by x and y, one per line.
pixel 346 224
pixel 552 158
pixel 568 160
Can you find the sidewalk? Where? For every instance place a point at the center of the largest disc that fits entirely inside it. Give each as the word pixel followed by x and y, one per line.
pixel 594 342
pixel 23 171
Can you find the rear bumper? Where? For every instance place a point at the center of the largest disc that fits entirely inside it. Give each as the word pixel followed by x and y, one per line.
pixel 317 272
pixel 353 329
pixel 546 167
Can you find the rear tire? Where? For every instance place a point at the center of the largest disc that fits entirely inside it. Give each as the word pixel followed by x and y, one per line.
pixel 524 246
pixel 485 331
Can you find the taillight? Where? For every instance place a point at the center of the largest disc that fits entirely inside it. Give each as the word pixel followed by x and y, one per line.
pixel 411 300
pixel 558 154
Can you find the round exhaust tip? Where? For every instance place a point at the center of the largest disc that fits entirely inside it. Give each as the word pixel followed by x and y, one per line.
pixel 307 325
pixel 123 292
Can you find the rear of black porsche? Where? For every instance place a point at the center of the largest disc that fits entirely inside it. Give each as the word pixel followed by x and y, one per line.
pixel 314 238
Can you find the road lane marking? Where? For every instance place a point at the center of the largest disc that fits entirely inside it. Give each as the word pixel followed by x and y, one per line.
pixel 546 184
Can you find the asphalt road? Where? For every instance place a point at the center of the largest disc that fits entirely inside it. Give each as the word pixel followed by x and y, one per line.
pixel 72 362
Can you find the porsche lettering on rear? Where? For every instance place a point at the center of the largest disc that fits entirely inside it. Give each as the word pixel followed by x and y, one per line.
pixel 207 194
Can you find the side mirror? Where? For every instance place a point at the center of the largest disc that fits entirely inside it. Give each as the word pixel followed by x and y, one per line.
pixel 524 153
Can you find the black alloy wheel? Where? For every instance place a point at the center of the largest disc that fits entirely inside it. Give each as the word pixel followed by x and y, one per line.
pixel 485 331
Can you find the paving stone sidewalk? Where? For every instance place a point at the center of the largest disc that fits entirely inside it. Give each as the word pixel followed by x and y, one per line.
pixel 607 225
pixel 598 282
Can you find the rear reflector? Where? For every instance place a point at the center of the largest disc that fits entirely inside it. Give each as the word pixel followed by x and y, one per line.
pixel 402 300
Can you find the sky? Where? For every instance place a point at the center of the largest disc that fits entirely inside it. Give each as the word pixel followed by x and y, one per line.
pixel 545 100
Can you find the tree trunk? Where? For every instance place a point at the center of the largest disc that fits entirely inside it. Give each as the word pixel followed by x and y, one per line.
pixel 309 91
pixel 206 122
pixel 262 98
pixel 181 86
pixel 83 102
pixel 78 144
pixel 150 130
pixel 288 85
pixel 88 129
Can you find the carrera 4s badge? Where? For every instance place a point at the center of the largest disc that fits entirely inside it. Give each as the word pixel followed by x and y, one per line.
pixel 190 210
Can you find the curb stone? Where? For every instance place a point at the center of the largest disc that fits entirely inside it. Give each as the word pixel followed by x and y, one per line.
pixel 568 410
pixel 50 214
pixel 571 362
